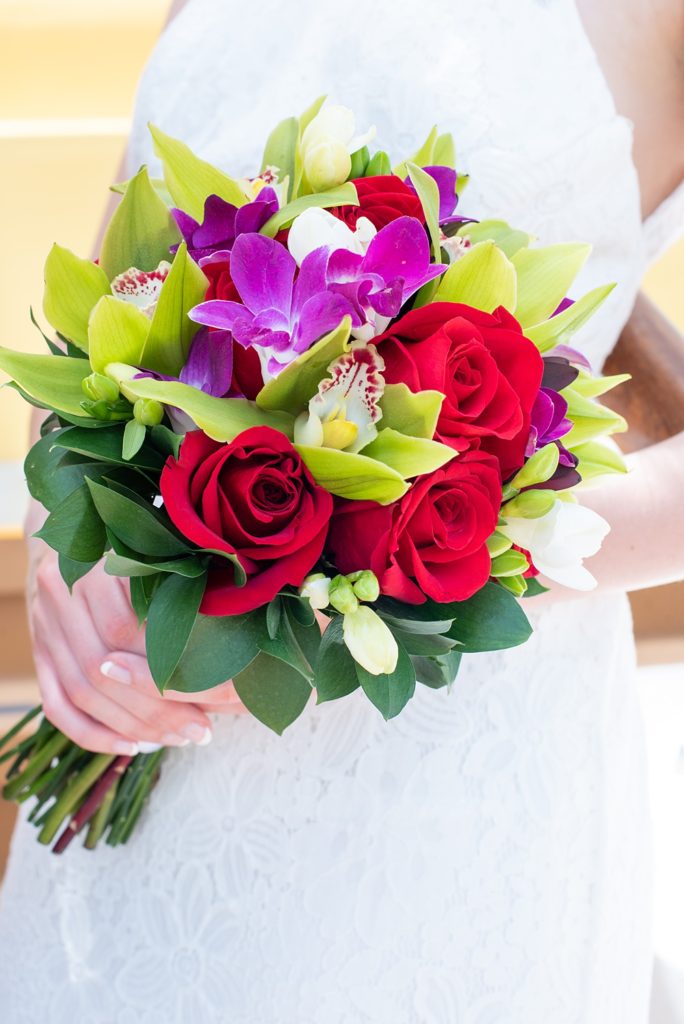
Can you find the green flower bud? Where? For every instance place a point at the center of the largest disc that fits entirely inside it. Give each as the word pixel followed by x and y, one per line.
pixel 341 595
pixel 359 162
pixel 530 505
pixel 511 563
pixel 516 584
pixel 148 412
pixel 379 164
pixel 539 468
pixel 366 586
pixel 98 410
pixel 98 388
pixel 497 544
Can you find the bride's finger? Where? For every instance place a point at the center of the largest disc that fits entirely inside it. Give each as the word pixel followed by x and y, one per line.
pixel 107 599
pixel 134 669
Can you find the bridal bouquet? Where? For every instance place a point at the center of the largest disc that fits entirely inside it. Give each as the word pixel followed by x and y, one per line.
pixel 320 389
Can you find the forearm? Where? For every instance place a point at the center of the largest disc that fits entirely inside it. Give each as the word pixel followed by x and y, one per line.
pixel 645 509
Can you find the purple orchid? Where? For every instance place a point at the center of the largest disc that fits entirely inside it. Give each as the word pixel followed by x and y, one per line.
pixel 548 421
pixel 223 223
pixel 395 266
pixel 446 180
pixel 209 366
pixel 280 315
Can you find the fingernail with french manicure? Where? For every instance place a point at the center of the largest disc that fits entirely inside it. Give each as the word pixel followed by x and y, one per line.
pixel 172 739
pixel 198 734
pixel 128 749
pixel 117 672
pixel 148 748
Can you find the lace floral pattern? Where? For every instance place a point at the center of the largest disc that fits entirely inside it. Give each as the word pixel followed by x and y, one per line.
pixel 483 859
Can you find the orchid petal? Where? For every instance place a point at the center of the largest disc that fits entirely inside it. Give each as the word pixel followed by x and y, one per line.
pixel 263 273
pixel 319 315
pixel 210 363
pixel 446 179
pixel 312 278
pixel 219 313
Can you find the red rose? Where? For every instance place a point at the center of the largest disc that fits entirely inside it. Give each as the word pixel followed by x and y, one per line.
pixel 433 541
pixel 489 372
pixel 381 199
pixel 247 376
pixel 254 498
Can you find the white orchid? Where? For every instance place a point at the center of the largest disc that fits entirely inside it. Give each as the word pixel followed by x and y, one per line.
pixel 370 641
pixel 344 411
pixel 559 541
pixel 327 144
pixel 316 228
pixel 141 287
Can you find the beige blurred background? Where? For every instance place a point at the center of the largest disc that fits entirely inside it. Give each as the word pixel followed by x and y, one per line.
pixel 68 73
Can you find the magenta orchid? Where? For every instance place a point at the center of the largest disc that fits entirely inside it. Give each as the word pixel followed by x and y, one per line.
pixel 223 223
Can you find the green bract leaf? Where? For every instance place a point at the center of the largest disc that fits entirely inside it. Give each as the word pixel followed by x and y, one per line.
pixel 484 277
pixel 133 439
pixel 409 456
pixel 141 231
pixel 168 342
pixel 220 418
pixel 105 445
pixel 335 669
pixel 191 180
pixel 170 619
pixel 560 328
pixel 116 333
pixel 508 239
pixel 589 419
pixel 343 195
pixel 428 193
pixel 74 528
pixel 294 386
pixel 379 164
pixel 545 275
pixel 273 691
pixel 136 523
pixel 54 381
pixel 355 477
pixel 281 150
pixel 390 693
pixel 444 154
pixel 491 620
pixel 593 387
pixel 72 287
pixel 157 184
pixel 597 459
pixel 307 117
pixel 409 412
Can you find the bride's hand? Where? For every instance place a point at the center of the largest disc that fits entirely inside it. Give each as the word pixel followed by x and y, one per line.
pixel 93 676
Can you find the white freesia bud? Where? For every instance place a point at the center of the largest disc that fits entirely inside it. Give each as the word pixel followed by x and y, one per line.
pixel 559 541
pixel 316 588
pixel 370 641
pixel 327 144
pixel 326 165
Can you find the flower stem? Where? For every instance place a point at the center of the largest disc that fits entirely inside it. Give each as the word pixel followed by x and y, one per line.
pixel 70 797
pixel 100 819
pixel 92 802
pixel 36 765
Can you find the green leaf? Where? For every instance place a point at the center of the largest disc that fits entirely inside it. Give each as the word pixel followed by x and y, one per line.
pixel 191 180
pixel 428 193
pixel 335 669
pixel 281 150
pixel 351 476
pixel 171 332
pixel 545 275
pixel 140 597
pixel 390 693
pixel 141 231
pixel 408 456
pixel 123 566
pixel 73 286
pixel 157 184
pixel 424 619
pixel 429 645
pixel 483 277
pixel 379 164
pixel 170 619
pixel 133 439
pixel 491 620
pixel 220 418
pixel 594 387
pixel 294 386
pixel 342 195
pixel 508 239
pixel 437 672
pixel 444 154
pixel 165 440
pixel 72 571
pixel 54 381
pixel 589 419
pixel 307 117
pixel 295 644
pixel 272 691
pixel 219 648
pixel 273 612
pixel 413 413
pixel 597 459
pixel 106 445
pixel 116 333
pixel 534 588
pixel 74 528
pixel 559 329
pixel 138 526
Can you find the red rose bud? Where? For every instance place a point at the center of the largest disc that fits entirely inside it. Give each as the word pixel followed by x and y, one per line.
pixel 381 199
pixel 253 498
pixel 433 542
pixel 483 364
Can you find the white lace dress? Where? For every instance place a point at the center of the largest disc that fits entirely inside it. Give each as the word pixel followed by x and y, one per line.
pixel 483 859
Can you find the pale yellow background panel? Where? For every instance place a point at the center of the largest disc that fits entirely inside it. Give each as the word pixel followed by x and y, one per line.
pixel 68 72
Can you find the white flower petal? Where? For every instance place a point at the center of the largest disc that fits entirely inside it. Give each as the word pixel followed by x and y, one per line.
pixel 315 228
pixel 333 122
pixel 370 641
